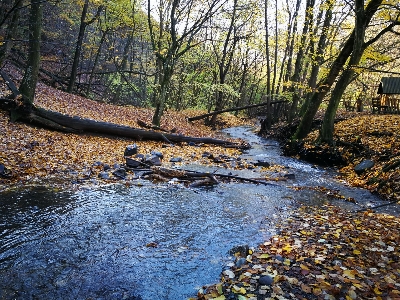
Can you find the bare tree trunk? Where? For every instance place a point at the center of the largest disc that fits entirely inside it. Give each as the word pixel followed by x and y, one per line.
pixel 300 58
pixel 96 61
pixel 7 44
pixel 326 83
pixel 225 61
pixel 274 90
pixel 28 85
pixel 267 122
pixel 78 48
pixel 291 28
pixel 319 55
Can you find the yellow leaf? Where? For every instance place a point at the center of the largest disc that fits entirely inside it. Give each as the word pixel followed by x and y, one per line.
pixel 222 297
pixel 286 262
pixel 357 252
pixel 264 255
pixel 349 274
pixel 239 290
pixel 377 291
pixel 304 267
pixel 287 248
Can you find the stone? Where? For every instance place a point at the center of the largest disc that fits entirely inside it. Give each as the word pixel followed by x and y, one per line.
pixel 120 173
pixel 106 167
pixel 262 163
pixel 139 156
pixel 207 155
pixel 153 161
pixel 4 172
pixel 157 153
pixel 363 166
pixel 266 280
pixel 131 150
pixel 132 163
pixel 242 250
pixel 104 175
pixel 240 262
pixel 176 159
pixel 290 176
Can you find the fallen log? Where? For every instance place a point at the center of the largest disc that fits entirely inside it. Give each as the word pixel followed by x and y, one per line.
pixel 233 109
pixel 391 166
pixel 61 122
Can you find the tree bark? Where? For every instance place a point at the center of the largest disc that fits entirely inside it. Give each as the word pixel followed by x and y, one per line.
pixel 326 133
pixel 28 85
pixel 233 109
pixel 319 55
pixel 7 44
pixel 326 83
pixel 300 58
pixel 78 48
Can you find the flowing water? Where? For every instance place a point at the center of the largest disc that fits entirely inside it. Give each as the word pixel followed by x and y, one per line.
pixel 151 241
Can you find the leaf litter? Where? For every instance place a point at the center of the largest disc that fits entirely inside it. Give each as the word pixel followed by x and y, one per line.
pixel 319 253
pixel 323 253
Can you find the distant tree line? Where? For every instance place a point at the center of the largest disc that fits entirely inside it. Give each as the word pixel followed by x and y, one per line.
pixel 214 55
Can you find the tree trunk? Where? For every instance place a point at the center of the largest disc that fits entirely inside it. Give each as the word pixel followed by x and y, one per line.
pixel 225 61
pixel 28 85
pixel 326 134
pixel 326 83
pixel 7 44
pixel 319 54
pixel 300 58
pixel 96 61
pixel 234 109
pixel 79 43
pixel 267 122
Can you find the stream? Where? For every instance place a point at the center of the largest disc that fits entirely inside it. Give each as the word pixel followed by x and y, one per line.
pixel 153 241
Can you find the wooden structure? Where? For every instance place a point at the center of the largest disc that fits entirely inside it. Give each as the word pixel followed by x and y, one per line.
pixel 388 100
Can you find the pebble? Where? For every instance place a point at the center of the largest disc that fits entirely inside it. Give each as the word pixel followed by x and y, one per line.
pixel 240 262
pixel 266 280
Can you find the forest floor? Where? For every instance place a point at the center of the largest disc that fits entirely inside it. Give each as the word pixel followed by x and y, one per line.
pixel 319 254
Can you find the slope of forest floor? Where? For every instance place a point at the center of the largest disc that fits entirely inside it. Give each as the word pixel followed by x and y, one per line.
pixel 319 254
pixel 32 154
pixel 359 137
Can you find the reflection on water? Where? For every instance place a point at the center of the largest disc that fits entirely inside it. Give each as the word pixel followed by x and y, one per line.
pixel 95 244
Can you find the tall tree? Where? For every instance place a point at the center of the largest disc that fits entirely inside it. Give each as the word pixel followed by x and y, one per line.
pixel 12 26
pixel 224 56
pixel 318 55
pixel 78 48
pixel 326 83
pixel 309 14
pixel 326 133
pixel 178 25
pixel 267 121
pixel 29 81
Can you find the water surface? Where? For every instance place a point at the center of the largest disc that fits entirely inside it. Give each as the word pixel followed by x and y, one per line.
pixel 151 242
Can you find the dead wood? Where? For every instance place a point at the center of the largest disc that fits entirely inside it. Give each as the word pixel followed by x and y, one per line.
pixel 66 123
pixel 391 166
pixel 233 109
pixel 147 126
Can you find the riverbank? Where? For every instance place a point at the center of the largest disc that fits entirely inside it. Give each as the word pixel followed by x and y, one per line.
pixel 361 138
pixel 36 156
pixel 320 253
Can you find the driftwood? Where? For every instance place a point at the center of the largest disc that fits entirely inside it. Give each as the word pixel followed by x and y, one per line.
pixel 391 166
pixel 233 109
pixel 200 178
pixel 153 127
pixel 66 123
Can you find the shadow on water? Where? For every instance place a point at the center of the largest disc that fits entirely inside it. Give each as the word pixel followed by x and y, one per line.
pixel 95 244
